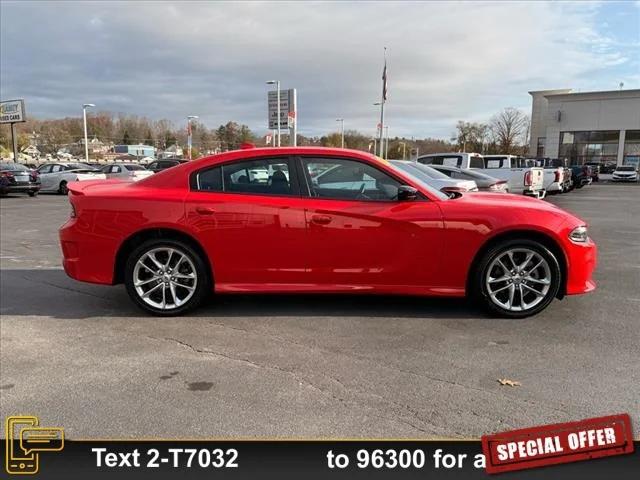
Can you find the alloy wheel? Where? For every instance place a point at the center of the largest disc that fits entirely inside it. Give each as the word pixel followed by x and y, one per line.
pixel 165 278
pixel 518 279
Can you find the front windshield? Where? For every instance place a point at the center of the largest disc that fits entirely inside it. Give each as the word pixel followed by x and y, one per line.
pixel 626 169
pixel 418 176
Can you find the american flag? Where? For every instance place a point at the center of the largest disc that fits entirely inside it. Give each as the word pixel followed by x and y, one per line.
pixel 384 82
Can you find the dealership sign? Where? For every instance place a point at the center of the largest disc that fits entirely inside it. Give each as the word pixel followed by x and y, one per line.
pixel 12 111
pixel 287 109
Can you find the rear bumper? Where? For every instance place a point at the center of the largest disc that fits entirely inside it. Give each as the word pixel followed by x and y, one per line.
pixel 87 257
pixel 20 188
pixel 581 263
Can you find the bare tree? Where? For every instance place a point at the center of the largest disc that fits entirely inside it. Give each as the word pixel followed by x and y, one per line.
pixel 508 128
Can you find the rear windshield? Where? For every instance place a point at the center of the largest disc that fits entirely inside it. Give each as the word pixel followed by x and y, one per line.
pixel 14 167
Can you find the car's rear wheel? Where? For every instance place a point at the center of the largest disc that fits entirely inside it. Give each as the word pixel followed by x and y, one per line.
pixel 518 278
pixel 166 277
pixel 63 189
pixel 33 193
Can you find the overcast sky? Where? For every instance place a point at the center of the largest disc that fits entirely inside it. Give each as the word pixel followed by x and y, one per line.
pixel 446 61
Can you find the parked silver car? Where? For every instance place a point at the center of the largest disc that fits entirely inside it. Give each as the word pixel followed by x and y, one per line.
pixel 434 178
pixel 485 183
pixel 126 171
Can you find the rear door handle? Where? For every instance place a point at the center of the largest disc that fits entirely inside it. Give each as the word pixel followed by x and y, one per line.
pixel 205 210
pixel 321 219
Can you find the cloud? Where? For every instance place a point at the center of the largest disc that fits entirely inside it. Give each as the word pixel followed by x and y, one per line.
pixel 447 61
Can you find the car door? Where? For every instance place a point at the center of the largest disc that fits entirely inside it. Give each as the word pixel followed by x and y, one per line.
pixel 360 236
pixel 50 176
pixel 251 220
pixel 43 173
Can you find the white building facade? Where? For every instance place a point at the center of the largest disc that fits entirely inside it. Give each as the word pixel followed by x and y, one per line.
pixel 602 127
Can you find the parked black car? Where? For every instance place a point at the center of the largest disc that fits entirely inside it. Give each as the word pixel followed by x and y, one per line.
pixel 581 175
pixel 16 178
pixel 159 165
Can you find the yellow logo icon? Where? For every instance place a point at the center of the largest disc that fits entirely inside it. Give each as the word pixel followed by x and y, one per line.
pixel 25 440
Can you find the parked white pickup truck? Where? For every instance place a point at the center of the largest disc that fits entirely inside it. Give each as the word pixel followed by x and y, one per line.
pixel 521 178
pixel 557 178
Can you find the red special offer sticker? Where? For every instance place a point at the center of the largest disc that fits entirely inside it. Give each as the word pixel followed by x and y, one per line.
pixel 558 443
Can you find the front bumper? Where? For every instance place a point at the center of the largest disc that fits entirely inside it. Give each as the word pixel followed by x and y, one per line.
pixel 625 179
pixel 581 263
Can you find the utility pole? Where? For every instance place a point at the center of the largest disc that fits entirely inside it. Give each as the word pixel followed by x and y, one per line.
pixel 341 120
pixel 86 141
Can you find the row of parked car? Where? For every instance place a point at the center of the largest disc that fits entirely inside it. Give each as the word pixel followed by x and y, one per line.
pixel 54 177
pixel 448 172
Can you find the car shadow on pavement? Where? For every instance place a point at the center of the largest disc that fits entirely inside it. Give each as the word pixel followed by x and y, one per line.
pixel 40 292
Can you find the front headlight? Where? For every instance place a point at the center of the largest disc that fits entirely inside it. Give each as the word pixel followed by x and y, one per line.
pixel 579 234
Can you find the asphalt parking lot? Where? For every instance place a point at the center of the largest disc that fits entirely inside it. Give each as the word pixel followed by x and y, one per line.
pixel 83 357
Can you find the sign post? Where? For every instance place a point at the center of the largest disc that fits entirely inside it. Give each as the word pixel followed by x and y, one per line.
pixel 288 112
pixel 12 112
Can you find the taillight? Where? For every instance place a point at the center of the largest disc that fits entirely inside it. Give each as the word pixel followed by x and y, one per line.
pixel 557 176
pixel 6 174
pixel 527 178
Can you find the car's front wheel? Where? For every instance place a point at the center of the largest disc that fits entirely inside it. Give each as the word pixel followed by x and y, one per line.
pixel 166 277
pixel 518 278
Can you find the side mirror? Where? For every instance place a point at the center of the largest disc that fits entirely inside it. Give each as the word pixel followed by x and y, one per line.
pixel 407 193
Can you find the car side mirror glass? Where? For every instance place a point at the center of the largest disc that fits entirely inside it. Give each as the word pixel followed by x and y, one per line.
pixel 407 193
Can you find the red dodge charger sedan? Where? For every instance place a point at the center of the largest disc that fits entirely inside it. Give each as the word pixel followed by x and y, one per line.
pixel 319 220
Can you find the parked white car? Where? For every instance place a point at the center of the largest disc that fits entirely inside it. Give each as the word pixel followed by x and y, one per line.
pixel 434 178
pixel 522 179
pixel 126 171
pixel 55 177
pixel 625 173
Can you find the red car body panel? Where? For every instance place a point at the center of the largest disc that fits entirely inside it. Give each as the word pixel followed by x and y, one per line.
pixel 269 243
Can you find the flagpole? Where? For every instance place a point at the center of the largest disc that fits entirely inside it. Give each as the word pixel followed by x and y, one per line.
pixel 384 87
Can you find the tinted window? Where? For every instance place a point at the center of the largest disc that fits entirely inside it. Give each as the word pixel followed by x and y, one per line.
pixel 14 167
pixel 349 180
pixel 210 180
pixel 134 167
pixel 267 176
pixel 475 161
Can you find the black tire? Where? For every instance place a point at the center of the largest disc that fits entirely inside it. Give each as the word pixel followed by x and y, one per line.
pixel 63 189
pixel 479 286
pixel 33 193
pixel 203 284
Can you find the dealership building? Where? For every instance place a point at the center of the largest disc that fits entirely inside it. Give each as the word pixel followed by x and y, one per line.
pixel 584 127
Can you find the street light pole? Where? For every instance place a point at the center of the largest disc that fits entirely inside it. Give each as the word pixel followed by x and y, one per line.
pixel 341 120
pixel 86 141
pixel 277 84
pixel 404 150
pixel 386 148
pixel 189 134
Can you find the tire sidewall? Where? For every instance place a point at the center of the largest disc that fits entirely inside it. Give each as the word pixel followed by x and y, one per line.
pixel 203 286
pixel 497 250
pixel 63 189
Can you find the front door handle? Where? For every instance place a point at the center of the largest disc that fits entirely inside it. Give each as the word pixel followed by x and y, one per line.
pixel 205 210
pixel 321 219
